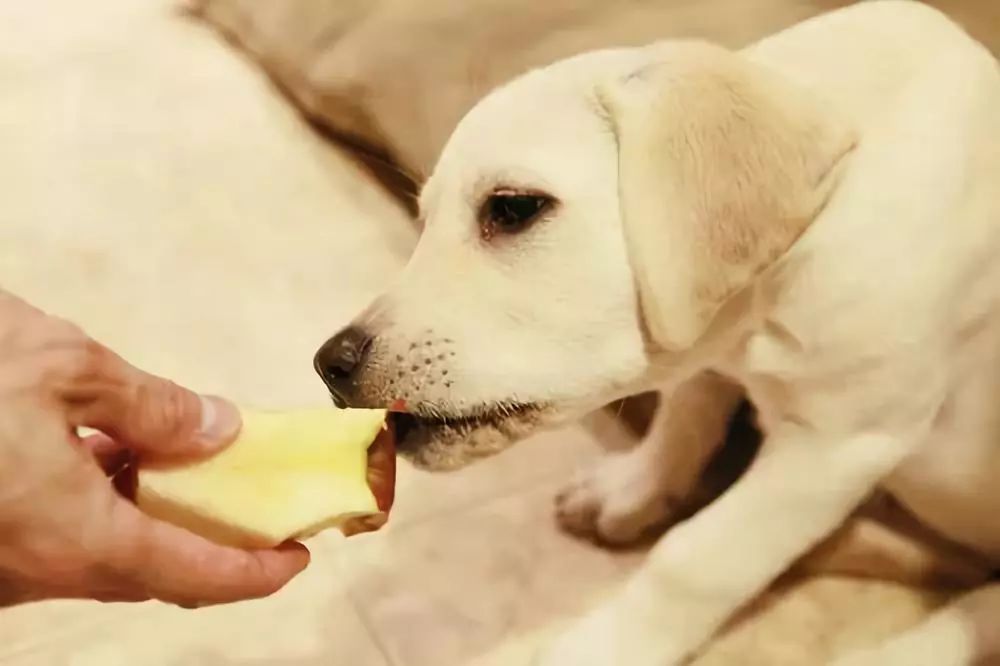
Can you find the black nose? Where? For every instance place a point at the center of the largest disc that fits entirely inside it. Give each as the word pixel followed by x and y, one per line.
pixel 338 360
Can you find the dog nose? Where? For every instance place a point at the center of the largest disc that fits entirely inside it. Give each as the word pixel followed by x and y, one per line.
pixel 338 359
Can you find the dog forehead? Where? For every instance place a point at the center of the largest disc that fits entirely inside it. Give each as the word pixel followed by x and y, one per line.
pixel 546 129
pixel 544 116
pixel 530 117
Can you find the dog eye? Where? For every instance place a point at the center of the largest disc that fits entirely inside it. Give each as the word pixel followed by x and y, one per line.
pixel 510 211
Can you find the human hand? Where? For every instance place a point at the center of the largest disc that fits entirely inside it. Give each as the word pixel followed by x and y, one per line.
pixel 64 531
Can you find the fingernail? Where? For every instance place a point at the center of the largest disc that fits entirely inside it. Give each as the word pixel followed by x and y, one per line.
pixel 220 420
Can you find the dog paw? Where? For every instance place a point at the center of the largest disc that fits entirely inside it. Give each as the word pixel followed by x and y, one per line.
pixel 618 502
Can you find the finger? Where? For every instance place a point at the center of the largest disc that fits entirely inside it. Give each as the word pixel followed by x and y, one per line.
pixel 9 300
pixel 142 412
pixel 174 565
pixel 108 453
pixel 116 461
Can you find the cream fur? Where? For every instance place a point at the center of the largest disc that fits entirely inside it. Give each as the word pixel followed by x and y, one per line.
pixel 813 221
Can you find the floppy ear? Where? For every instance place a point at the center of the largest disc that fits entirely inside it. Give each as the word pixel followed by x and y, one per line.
pixel 722 165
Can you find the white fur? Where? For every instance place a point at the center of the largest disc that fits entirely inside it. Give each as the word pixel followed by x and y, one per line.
pixel 832 247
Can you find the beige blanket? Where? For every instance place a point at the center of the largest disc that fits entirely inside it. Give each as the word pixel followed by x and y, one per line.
pixel 396 75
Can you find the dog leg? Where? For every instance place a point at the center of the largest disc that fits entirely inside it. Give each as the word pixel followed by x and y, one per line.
pixel 800 489
pixel 884 541
pixel 630 492
pixel 963 633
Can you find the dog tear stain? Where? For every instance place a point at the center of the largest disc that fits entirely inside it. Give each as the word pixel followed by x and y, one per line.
pixel 398 405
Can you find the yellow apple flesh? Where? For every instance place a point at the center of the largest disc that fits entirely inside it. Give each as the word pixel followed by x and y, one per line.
pixel 287 476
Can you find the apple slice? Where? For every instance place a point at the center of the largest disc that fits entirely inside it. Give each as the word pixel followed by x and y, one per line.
pixel 287 476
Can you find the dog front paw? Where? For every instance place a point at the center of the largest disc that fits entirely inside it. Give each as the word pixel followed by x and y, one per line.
pixel 617 502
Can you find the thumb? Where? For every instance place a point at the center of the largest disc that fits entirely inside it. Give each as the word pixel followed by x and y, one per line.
pixel 145 413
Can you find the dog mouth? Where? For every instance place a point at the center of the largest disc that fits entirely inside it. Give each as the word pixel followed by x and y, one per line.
pixel 442 441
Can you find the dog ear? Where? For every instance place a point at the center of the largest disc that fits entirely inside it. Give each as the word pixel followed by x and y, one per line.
pixel 723 164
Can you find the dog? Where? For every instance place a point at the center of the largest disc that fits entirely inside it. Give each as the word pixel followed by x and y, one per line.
pixel 812 223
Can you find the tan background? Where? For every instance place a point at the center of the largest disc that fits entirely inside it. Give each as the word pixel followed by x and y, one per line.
pixel 397 75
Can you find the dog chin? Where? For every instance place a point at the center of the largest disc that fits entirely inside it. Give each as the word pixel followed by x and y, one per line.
pixel 444 443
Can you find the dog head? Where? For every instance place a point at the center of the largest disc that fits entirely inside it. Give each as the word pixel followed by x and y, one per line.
pixel 583 228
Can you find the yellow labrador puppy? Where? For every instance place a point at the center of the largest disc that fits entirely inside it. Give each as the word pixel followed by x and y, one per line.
pixel 813 221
